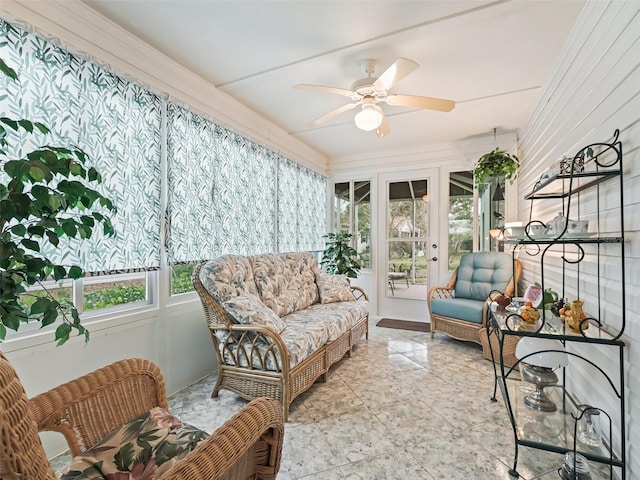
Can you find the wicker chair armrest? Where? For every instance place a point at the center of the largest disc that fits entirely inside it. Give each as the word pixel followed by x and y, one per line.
pixel 359 293
pixel 440 292
pixel 262 345
pixel 249 445
pixel 87 409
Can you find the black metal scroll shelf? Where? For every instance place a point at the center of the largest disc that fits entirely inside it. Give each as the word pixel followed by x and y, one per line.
pixel 595 168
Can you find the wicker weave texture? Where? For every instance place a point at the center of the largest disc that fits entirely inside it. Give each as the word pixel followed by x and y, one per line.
pixel 22 456
pixel 508 348
pixel 248 446
pixel 119 392
pixel 336 350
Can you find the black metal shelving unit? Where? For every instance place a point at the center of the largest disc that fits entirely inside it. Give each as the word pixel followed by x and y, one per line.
pixel 594 167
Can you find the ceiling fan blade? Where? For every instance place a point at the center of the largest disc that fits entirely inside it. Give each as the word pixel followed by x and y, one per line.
pixel 323 88
pixel 430 103
pixel 333 113
pixel 396 72
pixel 383 130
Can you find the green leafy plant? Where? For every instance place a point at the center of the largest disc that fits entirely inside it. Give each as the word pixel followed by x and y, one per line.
pixel 496 163
pixel 45 199
pixel 339 257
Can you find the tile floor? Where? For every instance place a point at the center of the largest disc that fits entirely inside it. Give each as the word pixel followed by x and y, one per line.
pixel 403 406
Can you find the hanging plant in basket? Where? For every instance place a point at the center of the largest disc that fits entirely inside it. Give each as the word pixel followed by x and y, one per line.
pixel 497 163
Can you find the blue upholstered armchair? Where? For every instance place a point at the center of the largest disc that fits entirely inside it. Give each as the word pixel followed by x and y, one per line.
pixel 460 308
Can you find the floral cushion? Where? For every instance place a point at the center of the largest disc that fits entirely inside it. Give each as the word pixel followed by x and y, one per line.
pixel 227 277
pixel 333 288
pixel 143 449
pixel 285 282
pixel 248 308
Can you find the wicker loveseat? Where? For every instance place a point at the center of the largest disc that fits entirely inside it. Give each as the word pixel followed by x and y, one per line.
pixel 113 403
pixel 460 308
pixel 277 322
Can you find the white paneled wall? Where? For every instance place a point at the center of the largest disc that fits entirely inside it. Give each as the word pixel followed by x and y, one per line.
pixel 595 89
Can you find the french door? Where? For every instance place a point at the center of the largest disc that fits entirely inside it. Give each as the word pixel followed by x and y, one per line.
pixel 407 263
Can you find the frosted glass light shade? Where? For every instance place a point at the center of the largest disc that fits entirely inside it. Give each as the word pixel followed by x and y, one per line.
pixel 369 118
pixel 540 358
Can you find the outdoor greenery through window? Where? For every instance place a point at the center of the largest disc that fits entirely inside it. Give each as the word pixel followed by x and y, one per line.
pixel 113 291
pixel 181 278
pixel 97 293
pixel 460 216
pixel 352 214
pixel 61 291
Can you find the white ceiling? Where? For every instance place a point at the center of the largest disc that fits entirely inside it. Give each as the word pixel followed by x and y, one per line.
pixel 492 58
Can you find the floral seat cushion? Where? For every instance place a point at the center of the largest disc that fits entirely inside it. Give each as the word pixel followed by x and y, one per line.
pixel 143 449
pixel 337 317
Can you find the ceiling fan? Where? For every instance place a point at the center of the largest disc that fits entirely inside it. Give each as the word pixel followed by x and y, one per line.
pixel 368 92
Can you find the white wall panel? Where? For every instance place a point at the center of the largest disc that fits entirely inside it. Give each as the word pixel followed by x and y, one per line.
pixel 594 89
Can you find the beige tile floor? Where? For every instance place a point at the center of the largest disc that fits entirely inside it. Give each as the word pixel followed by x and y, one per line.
pixel 403 406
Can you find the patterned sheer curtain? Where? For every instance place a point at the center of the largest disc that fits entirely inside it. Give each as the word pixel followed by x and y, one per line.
pixel 228 193
pixel 244 195
pixel 312 210
pixel 191 232
pixel 222 190
pixel 116 122
pixel 302 207
pixel 225 192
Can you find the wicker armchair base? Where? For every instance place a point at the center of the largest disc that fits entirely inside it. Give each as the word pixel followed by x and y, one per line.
pixel 458 329
pixel 508 348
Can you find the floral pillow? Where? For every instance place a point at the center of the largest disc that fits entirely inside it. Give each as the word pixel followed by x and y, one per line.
pixel 249 308
pixel 144 449
pixel 333 288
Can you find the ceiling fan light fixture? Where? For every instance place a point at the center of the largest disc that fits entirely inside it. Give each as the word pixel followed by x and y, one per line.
pixel 369 118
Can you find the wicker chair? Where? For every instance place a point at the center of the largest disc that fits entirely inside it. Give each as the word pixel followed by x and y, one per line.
pixel 466 294
pixel 87 409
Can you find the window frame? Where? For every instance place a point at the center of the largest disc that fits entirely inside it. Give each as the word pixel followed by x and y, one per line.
pixel 352 214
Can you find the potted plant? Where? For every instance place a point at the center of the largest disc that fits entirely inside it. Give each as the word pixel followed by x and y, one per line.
pixel 496 163
pixel 43 197
pixel 338 257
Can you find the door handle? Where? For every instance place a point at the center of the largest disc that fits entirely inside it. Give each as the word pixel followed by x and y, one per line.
pixel 434 259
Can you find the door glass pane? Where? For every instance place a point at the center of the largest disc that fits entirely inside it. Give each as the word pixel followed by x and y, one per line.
pixel 460 216
pixel 407 236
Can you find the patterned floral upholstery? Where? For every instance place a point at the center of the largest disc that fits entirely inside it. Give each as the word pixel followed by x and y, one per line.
pixel 227 277
pixel 142 449
pixel 255 361
pixel 333 288
pixel 337 317
pixel 248 308
pixel 289 302
pixel 286 283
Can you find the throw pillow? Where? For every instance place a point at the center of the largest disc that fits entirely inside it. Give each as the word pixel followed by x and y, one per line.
pixel 248 308
pixel 146 447
pixel 334 288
